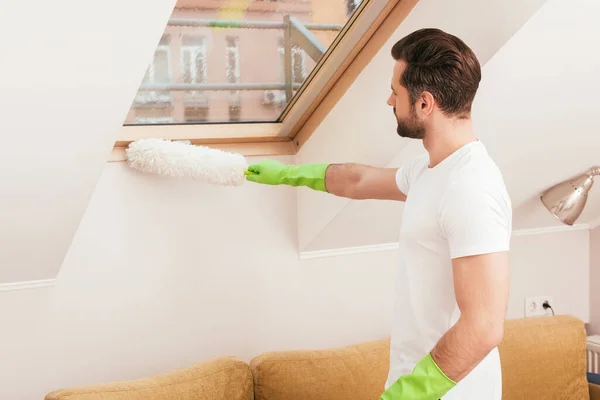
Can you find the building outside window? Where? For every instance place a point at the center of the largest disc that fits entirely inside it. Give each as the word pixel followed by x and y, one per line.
pixel 158 72
pixel 351 6
pixel 194 70
pixel 213 51
pixel 233 76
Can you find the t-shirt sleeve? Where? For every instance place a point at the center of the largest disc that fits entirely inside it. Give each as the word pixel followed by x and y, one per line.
pixel 402 178
pixel 405 174
pixel 476 219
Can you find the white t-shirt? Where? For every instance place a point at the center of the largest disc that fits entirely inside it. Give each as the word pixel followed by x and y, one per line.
pixel 460 207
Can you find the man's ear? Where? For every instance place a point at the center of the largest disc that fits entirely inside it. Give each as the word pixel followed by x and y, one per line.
pixel 426 103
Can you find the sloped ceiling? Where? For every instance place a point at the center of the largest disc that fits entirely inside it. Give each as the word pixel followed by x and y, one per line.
pixel 538 105
pixel 533 112
pixel 67 80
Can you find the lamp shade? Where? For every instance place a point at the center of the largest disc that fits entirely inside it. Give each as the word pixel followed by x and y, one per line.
pixel 567 200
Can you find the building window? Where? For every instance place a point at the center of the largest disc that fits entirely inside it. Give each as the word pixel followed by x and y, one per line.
pixel 233 75
pixel 235 113
pixel 351 6
pixel 153 120
pixel 196 114
pixel 299 72
pixel 194 68
pixel 158 72
pixel 153 116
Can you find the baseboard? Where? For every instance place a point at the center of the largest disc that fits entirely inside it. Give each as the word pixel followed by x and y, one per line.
pixel 306 255
pixel 5 287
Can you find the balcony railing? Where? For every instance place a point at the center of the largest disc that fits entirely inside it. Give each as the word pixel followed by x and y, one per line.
pixel 206 23
pixel 296 34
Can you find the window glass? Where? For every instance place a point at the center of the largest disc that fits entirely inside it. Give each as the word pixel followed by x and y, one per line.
pixel 235 60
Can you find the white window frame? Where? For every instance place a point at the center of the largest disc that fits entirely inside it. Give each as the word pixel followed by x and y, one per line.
pixel 298 55
pixel 233 71
pixel 371 16
pixel 278 97
pixel 153 96
pixel 198 98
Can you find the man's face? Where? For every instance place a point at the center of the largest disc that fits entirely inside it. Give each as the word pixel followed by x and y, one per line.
pixel 409 125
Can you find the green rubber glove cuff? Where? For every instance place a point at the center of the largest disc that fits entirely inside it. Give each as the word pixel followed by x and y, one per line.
pixel 309 175
pixel 427 382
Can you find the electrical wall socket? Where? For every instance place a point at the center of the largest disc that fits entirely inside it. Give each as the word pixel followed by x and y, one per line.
pixel 534 306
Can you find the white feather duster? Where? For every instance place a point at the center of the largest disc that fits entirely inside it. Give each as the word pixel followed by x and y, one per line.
pixel 184 160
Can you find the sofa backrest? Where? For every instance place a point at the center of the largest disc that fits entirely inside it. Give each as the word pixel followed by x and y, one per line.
pixel 222 378
pixel 354 372
pixel 544 358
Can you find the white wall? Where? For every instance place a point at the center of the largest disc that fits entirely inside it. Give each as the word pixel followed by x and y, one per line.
pixel 67 81
pixel 534 106
pixel 165 274
pixel 594 326
pixel 362 128
pixel 533 109
pixel 551 264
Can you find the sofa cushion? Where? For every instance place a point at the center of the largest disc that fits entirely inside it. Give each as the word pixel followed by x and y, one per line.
pixel 544 358
pixel 354 372
pixel 222 379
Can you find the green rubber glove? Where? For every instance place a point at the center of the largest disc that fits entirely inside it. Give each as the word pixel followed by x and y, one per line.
pixel 270 172
pixel 427 382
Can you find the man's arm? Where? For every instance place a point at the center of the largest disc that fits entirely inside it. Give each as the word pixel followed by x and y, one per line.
pixel 355 181
pixel 481 286
pixel 358 181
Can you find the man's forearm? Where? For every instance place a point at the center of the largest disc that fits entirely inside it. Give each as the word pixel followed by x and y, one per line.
pixel 342 179
pixel 351 180
pixel 464 346
pixel 361 182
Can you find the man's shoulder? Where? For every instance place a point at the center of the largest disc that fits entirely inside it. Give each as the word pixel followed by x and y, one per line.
pixel 478 180
pixel 478 187
pixel 413 168
pixel 418 159
pixel 419 163
pixel 478 169
pixel 477 174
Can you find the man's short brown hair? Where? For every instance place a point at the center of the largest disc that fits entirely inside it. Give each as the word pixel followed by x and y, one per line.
pixel 441 64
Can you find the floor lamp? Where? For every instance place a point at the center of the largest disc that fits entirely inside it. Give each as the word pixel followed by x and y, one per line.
pixel 567 199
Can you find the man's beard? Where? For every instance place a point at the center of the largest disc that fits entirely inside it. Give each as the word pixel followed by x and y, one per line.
pixel 410 128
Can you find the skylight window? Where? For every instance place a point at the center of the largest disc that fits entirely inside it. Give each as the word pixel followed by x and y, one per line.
pixel 255 76
pixel 222 61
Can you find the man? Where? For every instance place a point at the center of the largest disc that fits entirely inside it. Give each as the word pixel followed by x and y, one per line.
pixel 452 284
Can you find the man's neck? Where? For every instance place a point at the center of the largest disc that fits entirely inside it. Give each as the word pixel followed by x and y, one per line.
pixel 447 138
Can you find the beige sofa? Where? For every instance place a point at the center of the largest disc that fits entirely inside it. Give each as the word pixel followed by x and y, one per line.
pixel 542 359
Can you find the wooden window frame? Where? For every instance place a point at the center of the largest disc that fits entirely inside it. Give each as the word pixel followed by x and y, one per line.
pixel 363 36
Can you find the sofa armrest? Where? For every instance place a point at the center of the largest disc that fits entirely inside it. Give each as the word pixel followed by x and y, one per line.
pixel 594 385
pixel 594 391
pixel 220 379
